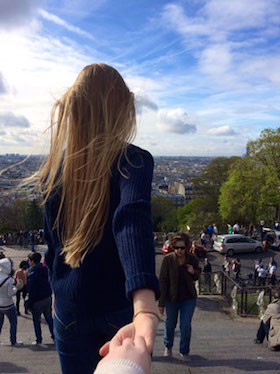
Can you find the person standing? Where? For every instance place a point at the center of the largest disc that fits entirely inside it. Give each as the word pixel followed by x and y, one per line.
pixel 236 228
pixel 98 225
pixel 178 272
pixel 39 295
pixel 272 269
pixel 21 275
pixel 7 306
pixel 230 229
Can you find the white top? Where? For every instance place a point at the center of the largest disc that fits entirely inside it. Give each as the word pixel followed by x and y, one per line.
pixel 7 291
pixel 272 269
pixel 262 272
pixel 120 366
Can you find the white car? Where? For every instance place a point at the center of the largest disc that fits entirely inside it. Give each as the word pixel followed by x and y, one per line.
pixel 236 243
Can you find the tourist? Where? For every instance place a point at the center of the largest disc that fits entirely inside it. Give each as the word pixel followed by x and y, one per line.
pixel 262 274
pixel 178 272
pixel 21 276
pixel 39 295
pixel 7 306
pixel 97 189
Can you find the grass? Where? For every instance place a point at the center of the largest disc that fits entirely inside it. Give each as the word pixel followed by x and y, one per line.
pixel 252 307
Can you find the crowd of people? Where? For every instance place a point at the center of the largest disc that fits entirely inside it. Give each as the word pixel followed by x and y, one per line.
pixel 23 238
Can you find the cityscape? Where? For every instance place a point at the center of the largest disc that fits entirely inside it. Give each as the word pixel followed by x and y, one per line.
pixel 172 175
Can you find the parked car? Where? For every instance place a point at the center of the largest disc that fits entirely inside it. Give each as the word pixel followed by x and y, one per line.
pixel 276 244
pixel 166 248
pixel 200 251
pixel 237 243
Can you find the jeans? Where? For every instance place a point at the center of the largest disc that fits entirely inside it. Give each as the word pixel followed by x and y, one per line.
pixel 12 316
pixel 186 309
pixel 23 291
pixel 43 306
pixel 262 331
pixel 78 338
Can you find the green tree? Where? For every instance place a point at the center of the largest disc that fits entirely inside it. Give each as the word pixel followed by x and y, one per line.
pixel 239 195
pixel 266 150
pixel 161 210
pixel 34 215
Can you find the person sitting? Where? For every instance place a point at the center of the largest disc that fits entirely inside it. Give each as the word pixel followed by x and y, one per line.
pixel 270 324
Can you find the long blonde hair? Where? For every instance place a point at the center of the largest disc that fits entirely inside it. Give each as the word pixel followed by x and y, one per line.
pixel 91 126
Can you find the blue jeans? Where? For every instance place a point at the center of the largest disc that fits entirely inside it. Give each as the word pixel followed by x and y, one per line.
pixel 186 309
pixel 42 307
pixel 12 316
pixel 78 338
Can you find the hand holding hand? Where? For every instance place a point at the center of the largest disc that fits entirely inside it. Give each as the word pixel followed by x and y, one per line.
pixel 131 349
pixel 144 325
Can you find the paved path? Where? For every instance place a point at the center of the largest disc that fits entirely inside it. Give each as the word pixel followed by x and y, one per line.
pixel 219 345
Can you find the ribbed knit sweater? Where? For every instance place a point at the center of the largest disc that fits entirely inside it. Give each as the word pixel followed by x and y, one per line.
pixel 124 260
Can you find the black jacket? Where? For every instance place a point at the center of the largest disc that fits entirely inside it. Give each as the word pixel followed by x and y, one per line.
pixel 38 286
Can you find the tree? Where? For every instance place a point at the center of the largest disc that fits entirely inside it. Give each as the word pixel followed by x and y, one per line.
pixel 239 195
pixel 34 215
pixel 266 150
pixel 162 208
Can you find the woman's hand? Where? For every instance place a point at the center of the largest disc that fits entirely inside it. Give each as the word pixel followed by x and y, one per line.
pixel 130 349
pixel 144 325
pixel 190 268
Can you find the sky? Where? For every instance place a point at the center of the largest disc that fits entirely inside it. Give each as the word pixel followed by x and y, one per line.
pixel 206 73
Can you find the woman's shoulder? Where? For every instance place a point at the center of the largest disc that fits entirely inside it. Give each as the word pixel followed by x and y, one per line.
pixel 135 151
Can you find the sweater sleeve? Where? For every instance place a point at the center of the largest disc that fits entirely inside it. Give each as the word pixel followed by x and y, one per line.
pixel 132 224
pixel 120 366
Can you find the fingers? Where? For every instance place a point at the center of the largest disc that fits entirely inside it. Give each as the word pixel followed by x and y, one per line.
pixel 104 350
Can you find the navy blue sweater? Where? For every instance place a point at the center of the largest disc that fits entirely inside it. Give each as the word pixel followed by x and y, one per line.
pixel 38 286
pixel 124 260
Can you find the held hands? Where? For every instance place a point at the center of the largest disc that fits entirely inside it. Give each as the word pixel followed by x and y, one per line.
pixel 131 349
pixel 144 325
pixel 190 268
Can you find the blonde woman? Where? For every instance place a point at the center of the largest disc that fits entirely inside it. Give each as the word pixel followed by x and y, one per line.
pixel 97 189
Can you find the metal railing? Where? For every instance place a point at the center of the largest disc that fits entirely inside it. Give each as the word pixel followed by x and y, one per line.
pixel 244 299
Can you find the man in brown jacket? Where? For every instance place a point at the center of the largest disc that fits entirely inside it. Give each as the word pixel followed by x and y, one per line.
pixel 270 325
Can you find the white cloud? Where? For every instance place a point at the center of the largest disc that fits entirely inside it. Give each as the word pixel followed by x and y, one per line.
pixel 144 102
pixel 175 121
pixel 59 21
pixel 222 131
pixel 9 119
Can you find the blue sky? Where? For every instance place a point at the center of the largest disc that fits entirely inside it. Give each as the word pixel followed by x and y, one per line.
pixel 206 73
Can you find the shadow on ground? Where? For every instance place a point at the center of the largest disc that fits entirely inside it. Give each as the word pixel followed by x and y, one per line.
pixel 8 367
pixel 246 365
